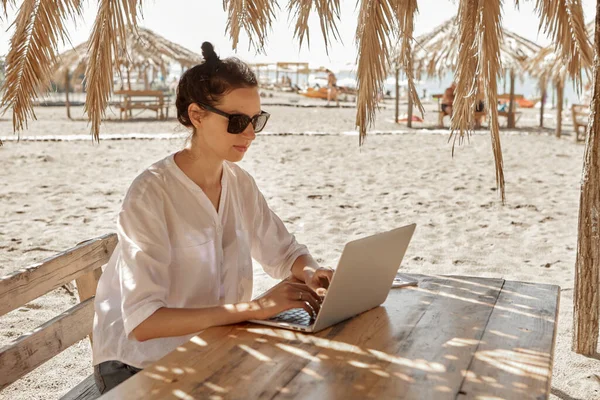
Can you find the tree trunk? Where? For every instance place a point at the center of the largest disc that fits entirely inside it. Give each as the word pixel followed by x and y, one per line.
pixel 559 107
pixel 586 304
pixel 511 105
pixel 397 94
pixel 67 88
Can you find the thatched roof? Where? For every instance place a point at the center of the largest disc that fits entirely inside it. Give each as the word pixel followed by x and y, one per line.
pixel 436 53
pixel 40 26
pixel 544 64
pixel 144 49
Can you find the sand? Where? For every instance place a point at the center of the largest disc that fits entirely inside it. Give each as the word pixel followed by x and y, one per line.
pixel 327 191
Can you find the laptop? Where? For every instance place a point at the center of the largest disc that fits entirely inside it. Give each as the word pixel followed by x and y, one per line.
pixel 362 280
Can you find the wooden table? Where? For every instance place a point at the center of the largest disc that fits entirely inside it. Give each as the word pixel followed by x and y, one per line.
pixel 143 100
pixel 448 338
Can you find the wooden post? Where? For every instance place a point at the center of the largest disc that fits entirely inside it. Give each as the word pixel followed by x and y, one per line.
pixel 559 107
pixel 67 88
pixel 297 72
pixel 542 102
pixel 397 95
pixel 410 111
pixel 586 302
pixel 145 75
pixel 128 80
pixel 511 105
pixel 130 112
pixel 86 287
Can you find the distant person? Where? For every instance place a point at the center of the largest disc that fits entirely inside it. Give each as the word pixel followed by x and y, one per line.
pixel 188 230
pixel 479 104
pixel 332 89
pixel 448 99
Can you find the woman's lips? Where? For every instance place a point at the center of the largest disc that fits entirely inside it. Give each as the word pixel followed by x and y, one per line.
pixel 241 149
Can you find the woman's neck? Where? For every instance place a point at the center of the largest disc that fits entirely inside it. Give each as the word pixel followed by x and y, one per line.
pixel 200 166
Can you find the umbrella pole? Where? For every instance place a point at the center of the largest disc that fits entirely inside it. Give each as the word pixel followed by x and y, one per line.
pixel 559 107
pixel 397 95
pixel 67 88
pixel 511 104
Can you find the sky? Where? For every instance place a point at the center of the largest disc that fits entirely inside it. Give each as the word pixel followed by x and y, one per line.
pixel 190 23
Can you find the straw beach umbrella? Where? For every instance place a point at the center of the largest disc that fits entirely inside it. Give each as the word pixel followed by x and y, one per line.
pixel 146 52
pixel 39 26
pixel 546 66
pixel 437 53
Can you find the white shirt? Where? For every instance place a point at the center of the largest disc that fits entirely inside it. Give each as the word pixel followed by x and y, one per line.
pixel 175 250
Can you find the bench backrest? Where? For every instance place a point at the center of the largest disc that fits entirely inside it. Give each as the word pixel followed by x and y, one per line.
pixel 506 96
pixel 580 109
pixel 81 263
pixel 140 93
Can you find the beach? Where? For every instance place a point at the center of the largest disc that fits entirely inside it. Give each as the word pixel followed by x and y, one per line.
pixel 327 190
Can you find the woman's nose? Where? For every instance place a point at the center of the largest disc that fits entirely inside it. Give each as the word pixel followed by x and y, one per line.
pixel 249 132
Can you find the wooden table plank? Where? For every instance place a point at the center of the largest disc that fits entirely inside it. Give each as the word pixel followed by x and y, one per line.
pixel 514 359
pixel 417 344
pixel 423 361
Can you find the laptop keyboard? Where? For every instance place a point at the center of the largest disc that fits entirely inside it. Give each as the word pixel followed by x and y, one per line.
pixel 297 316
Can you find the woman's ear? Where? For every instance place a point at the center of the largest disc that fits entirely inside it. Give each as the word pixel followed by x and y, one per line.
pixel 195 114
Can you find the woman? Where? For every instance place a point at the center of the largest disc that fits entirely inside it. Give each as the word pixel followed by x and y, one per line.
pixel 332 89
pixel 188 230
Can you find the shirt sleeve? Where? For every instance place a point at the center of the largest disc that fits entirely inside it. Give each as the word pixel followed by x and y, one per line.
pixel 273 246
pixel 145 259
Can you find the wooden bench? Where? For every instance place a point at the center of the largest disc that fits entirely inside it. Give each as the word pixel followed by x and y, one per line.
pixel 153 100
pixel 580 114
pixel 81 263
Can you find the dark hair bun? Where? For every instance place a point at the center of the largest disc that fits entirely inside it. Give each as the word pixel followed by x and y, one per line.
pixel 208 52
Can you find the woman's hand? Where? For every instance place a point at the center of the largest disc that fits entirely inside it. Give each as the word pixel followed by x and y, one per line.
pixel 318 279
pixel 286 296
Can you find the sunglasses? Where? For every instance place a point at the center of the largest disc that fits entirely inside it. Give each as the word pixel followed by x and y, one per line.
pixel 239 122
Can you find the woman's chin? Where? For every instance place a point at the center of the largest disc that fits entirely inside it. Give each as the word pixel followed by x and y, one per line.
pixel 235 156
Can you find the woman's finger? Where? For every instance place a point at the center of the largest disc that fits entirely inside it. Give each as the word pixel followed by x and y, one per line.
pixel 325 276
pixel 305 288
pixel 305 294
pixel 304 305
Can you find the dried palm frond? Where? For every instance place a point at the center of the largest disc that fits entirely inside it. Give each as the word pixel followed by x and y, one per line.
pixel 490 67
pixel 375 25
pixel 254 16
pixel 478 59
pixel 114 19
pixel 547 64
pixel 466 73
pixel 405 14
pixel 39 26
pixel 5 4
pixel 563 20
pixel 329 12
